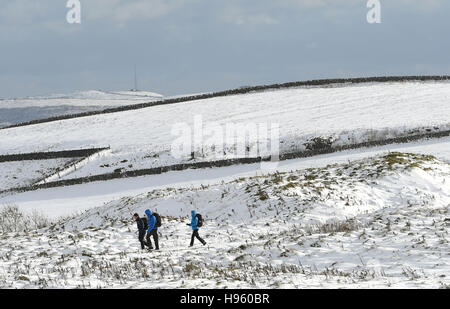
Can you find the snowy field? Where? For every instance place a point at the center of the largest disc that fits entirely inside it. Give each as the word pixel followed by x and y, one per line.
pixel 378 222
pixel 364 218
pixel 79 198
pixel 23 173
pixel 14 111
pixel 142 138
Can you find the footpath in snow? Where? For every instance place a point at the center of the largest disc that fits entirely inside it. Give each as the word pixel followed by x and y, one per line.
pixel 376 222
pixel 64 201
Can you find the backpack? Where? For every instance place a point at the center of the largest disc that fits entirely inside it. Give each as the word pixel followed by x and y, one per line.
pixel 158 219
pixel 200 220
pixel 145 222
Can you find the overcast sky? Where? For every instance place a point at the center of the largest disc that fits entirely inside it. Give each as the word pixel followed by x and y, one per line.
pixel 188 46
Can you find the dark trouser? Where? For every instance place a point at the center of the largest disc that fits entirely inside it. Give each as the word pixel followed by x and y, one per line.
pixel 153 233
pixel 141 239
pixel 195 235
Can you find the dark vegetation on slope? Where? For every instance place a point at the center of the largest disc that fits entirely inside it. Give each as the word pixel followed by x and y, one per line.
pixel 78 153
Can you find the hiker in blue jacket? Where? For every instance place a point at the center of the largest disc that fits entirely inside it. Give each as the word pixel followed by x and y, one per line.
pixel 195 228
pixel 152 230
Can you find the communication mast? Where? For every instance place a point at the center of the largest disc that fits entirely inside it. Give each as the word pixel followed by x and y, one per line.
pixel 135 79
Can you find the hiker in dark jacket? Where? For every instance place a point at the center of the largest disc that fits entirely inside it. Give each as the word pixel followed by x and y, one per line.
pixel 152 230
pixel 142 228
pixel 195 228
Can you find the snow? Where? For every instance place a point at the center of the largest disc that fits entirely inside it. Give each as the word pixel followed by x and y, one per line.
pixel 79 198
pixel 83 98
pixel 364 218
pixel 18 110
pixel 367 223
pixel 23 173
pixel 142 138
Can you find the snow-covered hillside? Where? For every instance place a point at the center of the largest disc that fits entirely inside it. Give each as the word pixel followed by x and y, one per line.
pixel 93 194
pixel 377 222
pixel 14 111
pixel 345 114
pixel 367 217
pixel 23 173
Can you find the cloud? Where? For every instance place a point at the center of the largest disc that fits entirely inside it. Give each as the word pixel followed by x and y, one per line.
pixel 50 12
pixel 422 4
pixel 201 45
pixel 241 18
pixel 123 11
pixel 312 45
pixel 23 11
